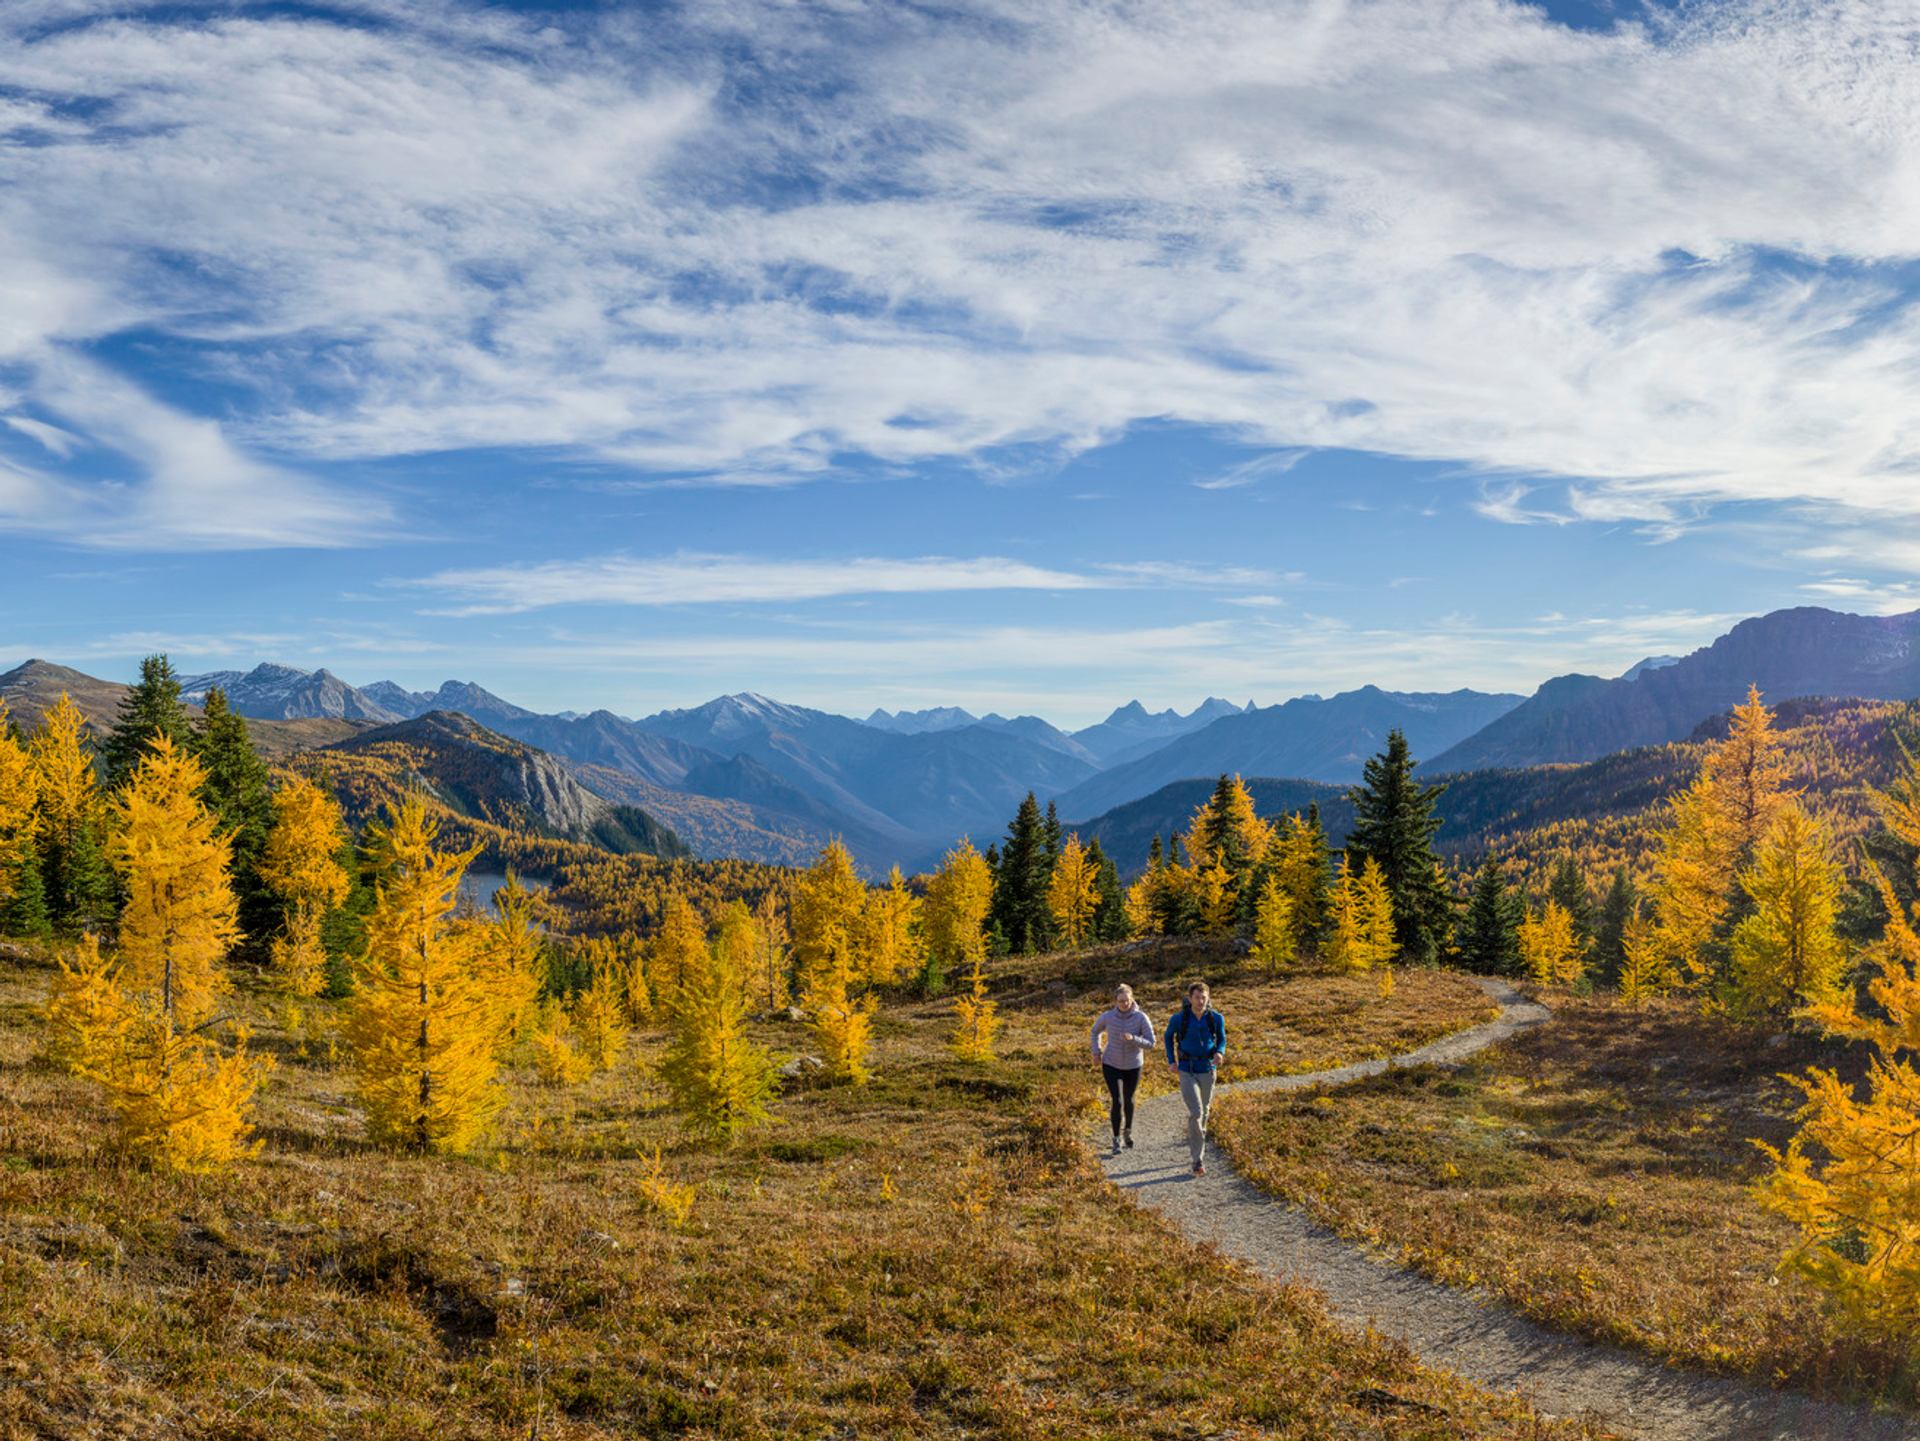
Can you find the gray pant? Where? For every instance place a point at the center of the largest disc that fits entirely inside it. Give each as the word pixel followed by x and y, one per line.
pixel 1196 1089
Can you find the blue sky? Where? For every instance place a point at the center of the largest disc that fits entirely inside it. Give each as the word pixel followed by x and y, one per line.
pixel 1024 357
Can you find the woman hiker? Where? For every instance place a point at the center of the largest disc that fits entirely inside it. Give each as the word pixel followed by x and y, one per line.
pixel 1196 1040
pixel 1129 1036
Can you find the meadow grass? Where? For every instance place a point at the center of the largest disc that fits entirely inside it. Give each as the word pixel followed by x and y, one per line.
pixel 1596 1173
pixel 934 1254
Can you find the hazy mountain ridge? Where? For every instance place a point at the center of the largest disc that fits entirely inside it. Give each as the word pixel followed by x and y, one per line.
pixel 1308 738
pixel 1807 651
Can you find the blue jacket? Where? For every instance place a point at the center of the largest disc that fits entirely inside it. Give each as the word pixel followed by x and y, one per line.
pixel 1196 1048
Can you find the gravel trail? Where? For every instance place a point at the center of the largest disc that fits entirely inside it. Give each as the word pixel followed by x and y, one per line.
pixel 1465 1332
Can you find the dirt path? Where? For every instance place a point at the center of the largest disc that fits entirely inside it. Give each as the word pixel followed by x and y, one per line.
pixel 1465 1332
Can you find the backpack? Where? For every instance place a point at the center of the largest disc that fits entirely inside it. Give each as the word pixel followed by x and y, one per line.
pixel 1177 1028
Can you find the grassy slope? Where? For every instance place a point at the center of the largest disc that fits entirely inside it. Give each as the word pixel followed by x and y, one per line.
pixel 931 1255
pixel 1594 1172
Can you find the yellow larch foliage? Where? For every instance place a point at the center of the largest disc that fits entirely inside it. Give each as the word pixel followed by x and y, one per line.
pixel 890 932
pixel 769 975
pixel 301 865
pixel 557 1059
pixel 19 805
pixel 510 959
pixel 1786 953
pixel 958 898
pixel 677 951
pixel 423 1025
pixel 1346 947
pixel 1073 893
pixel 1747 776
pixel 1859 1212
pixel 1274 945
pixel 722 1081
pixel 842 1025
pixel 976 1020
pixel 180 1102
pixel 1549 948
pixel 68 790
pixel 828 899
pixel 87 1013
pixel 600 1019
pixel 1225 831
pixel 180 916
pixel 1380 940
pixel 1646 970
pixel 1146 911
pixel 1214 897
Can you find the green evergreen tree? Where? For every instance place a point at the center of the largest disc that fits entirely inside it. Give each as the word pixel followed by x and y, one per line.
pixel 1568 887
pixel 239 791
pixel 1110 915
pixel 151 708
pixel 1488 940
pixel 1020 882
pixel 76 881
pixel 1054 837
pixel 1394 825
pixel 25 912
pixel 1617 911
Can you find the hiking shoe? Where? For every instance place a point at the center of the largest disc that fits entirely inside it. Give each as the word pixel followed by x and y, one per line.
pixel 1199 1168
pixel 1116 1143
pixel 1129 1140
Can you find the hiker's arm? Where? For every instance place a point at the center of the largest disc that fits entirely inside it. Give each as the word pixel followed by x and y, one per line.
pixel 1098 1022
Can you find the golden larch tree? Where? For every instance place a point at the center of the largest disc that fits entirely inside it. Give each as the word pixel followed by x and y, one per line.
pixel 721 1081
pixel 1646 969
pixel 301 865
pixel 1346 949
pixel 180 916
pixel 958 899
pixel 600 1018
pixel 19 807
pixel 1377 932
pixel 423 1026
pixel 889 934
pixel 678 949
pixel 1274 946
pixel 828 900
pixel 510 958
pixel 959 896
pixel 1786 953
pixel 769 973
pixel 181 1103
pixel 1073 893
pixel 87 1013
pixel 1549 948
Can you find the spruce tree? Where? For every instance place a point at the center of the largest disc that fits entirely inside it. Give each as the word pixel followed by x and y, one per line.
pixel 1488 941
pixel 24 912
pixel 1617 911
pixel 1567 887
pixel 1020 882
pixel 1110 915
pixel 239 791
pixel 1394 825
pixel 152 708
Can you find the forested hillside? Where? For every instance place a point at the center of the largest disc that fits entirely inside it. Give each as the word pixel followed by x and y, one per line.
pixel 1602 812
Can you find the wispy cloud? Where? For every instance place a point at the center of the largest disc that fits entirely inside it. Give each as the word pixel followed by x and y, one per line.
pixel 1249 471
pixel 918 237
pixel 705 579
pixel 691 579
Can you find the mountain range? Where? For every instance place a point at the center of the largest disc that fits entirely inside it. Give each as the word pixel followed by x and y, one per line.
pixel 748 775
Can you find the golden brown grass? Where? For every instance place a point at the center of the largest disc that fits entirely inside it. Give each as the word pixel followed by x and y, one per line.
pixel 1594 1173
pixel 931 1255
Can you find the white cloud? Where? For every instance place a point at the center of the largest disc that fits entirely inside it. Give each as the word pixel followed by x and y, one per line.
pixel 701 579
pixel 1658 262
pixel 1248 471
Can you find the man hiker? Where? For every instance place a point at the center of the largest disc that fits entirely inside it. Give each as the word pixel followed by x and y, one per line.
pixel 1196 1040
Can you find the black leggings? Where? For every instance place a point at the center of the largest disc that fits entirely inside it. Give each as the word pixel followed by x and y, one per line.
pixel 1120 1087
